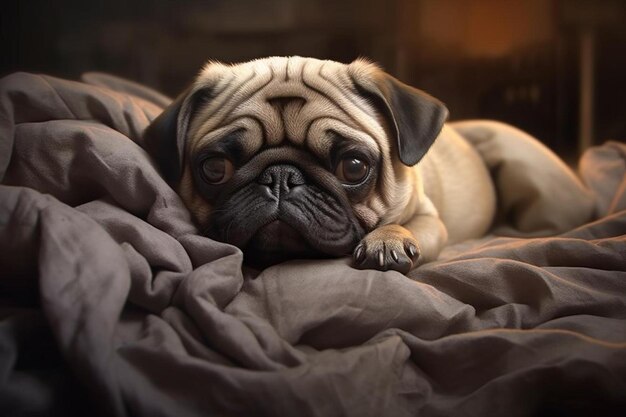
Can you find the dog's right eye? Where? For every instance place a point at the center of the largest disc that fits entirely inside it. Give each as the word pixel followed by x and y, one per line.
pixel 217 170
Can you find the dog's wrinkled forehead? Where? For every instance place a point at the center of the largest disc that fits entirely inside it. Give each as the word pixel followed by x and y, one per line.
pixel 304 101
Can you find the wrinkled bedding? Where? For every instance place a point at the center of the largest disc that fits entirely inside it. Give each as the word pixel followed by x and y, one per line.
pixel 111 303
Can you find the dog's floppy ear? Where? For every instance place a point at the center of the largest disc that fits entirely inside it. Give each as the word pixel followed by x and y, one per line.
pixel 164 138
pixel 415 118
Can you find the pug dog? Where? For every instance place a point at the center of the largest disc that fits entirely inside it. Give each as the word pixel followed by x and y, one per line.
pixel 292 157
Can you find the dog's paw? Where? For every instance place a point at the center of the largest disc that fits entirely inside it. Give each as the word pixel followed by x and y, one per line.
pixel 390 247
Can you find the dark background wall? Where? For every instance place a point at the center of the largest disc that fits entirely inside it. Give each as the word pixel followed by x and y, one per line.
pixel 511 60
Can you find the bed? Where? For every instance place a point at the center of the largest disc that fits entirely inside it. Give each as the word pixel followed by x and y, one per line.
pixel 111 303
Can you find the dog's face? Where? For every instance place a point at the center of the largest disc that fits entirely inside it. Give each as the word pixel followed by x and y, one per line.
pixel 294 157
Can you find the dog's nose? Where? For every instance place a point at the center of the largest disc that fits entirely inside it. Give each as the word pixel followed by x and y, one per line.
pixel 281 178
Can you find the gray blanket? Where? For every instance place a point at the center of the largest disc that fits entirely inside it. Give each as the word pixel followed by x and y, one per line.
pixel 111 303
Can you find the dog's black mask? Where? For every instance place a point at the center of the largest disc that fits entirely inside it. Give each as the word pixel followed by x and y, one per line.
pixel 281 205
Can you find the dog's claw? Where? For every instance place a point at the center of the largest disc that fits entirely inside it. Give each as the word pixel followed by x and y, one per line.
pixel 359 253
pixel 381 258
pixel 412 250
pixel 394 255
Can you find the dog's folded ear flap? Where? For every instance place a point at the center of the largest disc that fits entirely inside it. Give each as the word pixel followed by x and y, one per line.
pixel 164 138
pixel 415 118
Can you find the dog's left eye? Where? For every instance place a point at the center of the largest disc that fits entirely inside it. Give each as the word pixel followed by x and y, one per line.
pixel 352 170
pixel 217 170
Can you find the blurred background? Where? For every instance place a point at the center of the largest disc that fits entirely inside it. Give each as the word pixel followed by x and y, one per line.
pixel 555 68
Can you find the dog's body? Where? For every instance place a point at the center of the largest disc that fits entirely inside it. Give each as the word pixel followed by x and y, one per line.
pixel 297 157
pixel 457 181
